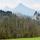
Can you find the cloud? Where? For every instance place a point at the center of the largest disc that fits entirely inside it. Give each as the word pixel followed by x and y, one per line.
pixel 32 3
pixel 35 6
pixel 36 1
pixel 9 3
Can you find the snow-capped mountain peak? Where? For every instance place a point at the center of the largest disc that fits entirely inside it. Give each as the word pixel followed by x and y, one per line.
pixel 24 10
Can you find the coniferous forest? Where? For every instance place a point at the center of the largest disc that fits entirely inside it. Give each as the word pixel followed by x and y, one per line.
pixel 13 26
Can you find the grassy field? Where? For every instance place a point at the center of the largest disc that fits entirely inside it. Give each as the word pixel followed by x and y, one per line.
pixel 38 38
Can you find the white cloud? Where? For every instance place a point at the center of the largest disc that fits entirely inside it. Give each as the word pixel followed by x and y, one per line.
pixel 31 4
pixel 13 3
pixel 9 3
pixel 35 6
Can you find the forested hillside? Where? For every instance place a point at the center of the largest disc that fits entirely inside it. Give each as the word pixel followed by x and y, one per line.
pixel 12 26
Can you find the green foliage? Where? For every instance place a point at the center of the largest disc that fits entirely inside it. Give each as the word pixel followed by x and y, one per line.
pixel 16 27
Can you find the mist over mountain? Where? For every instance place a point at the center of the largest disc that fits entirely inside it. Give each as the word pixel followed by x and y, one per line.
pixel 7 9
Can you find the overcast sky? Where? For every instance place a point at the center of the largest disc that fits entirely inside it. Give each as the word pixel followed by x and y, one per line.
pixel 34 4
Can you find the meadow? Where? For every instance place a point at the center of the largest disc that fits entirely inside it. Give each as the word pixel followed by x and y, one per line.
pixel 37 38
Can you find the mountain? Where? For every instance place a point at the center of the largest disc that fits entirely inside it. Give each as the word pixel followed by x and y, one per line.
pixel 24 10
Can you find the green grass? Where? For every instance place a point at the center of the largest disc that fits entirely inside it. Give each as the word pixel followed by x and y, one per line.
pixel 37 38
